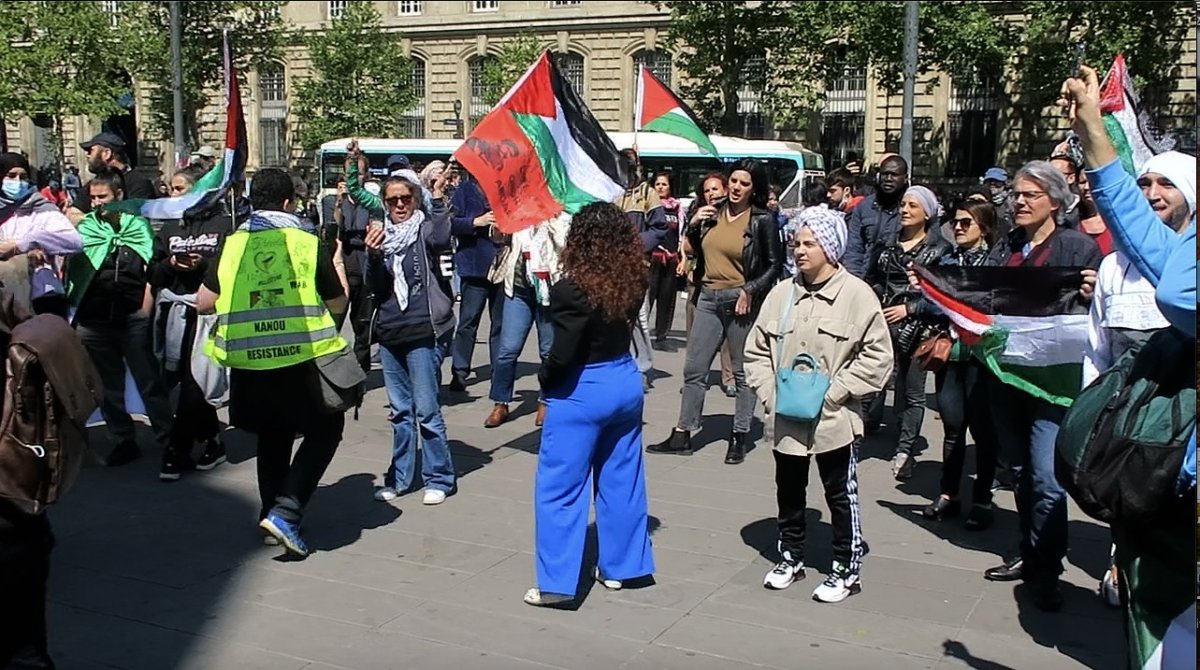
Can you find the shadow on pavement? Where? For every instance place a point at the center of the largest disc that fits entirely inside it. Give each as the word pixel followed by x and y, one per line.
pixel 763 537
pixel 958 650
pixel 1097 642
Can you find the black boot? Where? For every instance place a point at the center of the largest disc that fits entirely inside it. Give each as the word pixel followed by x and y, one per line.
pixel 680 443
pixel 736 453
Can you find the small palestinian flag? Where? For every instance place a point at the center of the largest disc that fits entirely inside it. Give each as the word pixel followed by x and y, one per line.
pixel 540 152
pixel 214 185
pixel 1129 125
pixel 1026 325
pixel 661 111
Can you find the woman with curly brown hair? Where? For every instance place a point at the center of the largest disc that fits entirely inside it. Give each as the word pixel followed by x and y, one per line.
pixel 593 429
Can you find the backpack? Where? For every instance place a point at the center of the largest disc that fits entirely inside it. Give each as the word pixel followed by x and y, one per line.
pixel 50 388
pixel 1122 443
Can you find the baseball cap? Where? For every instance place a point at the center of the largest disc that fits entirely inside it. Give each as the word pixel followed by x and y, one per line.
pixel 205 152
pixel 105 139
pixel 996 174
pixel 398 162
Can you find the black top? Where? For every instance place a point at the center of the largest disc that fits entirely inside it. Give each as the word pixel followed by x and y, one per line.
pixel 202 235
pixel 581 334
pixel 138 186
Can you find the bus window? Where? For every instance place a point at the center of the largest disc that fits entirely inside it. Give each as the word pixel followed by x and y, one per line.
pixel 332 164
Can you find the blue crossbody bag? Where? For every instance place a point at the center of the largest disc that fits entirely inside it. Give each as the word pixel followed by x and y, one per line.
pixel 800 387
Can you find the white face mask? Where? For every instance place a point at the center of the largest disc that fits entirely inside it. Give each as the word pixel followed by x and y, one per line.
pixel 373 188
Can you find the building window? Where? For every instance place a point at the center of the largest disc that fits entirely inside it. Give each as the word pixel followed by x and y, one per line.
pixel 408 8
pixel 565 3
pixel 485 5
pixel 974 112
pixel 273 112
pixel 479 106
pixel 113 9
pixel 843 116
pixel 752 122
pixel 336 8
pixel 412 122
pixel 658 62
pixel 571 66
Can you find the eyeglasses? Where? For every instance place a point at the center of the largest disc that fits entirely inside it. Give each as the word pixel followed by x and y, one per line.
pixel 963 223
pixel 1028 196
pixel 394 200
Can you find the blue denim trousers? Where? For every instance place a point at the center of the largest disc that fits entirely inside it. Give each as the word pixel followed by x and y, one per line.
pixel 411 376
pixel 477 294
pixel 521 312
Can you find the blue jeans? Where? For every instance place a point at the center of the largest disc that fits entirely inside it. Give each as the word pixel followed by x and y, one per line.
pixel 477 293
pixel 1026 430
pixel 521 312
pixel 410 373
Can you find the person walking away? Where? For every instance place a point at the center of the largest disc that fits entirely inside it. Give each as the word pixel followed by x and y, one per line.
pixel 592 439
pixel 108 288
pixel 961 384
pixel 183 250
pixel 415 314
pixel 473 225
pixel 740 259
pixel 1028 426
pixel 830 315
pixel 915 242
pixel 278 295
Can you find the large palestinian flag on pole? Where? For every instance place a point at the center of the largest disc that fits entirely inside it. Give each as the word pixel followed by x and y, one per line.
pixel 540 152
pixel 661 111
pixel 1027 325
pixel 1129 126
pixel 214 185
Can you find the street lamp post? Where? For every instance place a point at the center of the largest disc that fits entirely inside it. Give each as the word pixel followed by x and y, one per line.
pixel 181 149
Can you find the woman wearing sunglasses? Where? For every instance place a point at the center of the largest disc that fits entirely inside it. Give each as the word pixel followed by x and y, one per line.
pixel 414 314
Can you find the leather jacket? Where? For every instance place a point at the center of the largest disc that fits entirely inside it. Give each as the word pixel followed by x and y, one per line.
pixel 762 252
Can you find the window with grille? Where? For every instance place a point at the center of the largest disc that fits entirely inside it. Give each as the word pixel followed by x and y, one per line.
pixel 273 111
pixel 974 113
pixel 565 3
pixel 843 115
pixel 752 121
pixel 336 8
pixel 273 136
pixel 408 7
pixel 485 5
pixel 571 66
pixel 658 62
pixel 113 9
pixel 272 85
pixel 412 122
pixel 479 106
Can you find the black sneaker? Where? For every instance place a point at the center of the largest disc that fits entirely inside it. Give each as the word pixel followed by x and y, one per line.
pixel 174 465
pixel 124 452
pixel 457 384
pixel 214 455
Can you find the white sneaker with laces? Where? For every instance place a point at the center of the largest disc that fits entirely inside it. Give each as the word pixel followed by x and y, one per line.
pixel 386 494
pixel 434 497
pixel 610 584
pixel 839 585
pixel 784 573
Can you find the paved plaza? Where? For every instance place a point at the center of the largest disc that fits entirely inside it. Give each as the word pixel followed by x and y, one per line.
pixel 151 576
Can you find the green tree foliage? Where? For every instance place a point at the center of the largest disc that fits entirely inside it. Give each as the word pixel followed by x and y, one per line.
pixel 501 72
pixel 360 86
pixel 53 68
pixel 143 39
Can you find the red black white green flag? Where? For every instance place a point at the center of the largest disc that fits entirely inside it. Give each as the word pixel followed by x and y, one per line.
pixel 540 152
pixel 661 111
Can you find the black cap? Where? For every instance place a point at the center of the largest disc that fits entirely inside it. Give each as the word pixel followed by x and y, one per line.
pixel 105 139
pixel 398 162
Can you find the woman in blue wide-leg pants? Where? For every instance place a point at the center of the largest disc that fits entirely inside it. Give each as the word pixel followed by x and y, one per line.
pixel 592 436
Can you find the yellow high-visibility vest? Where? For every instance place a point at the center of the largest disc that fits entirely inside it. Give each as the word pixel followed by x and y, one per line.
pixel 269 313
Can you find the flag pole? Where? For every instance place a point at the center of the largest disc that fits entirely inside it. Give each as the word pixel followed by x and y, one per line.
pixel 637 106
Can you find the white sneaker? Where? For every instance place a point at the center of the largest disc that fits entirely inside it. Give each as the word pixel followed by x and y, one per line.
pixel 839 585
pixel 784 574
pixel 386 494
pixel 434 497
pixel 610 584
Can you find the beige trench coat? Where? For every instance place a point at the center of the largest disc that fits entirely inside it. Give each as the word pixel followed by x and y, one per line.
pixel 842 326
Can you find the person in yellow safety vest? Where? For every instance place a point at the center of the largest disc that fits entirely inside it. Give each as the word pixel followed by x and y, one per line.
pixel 280 295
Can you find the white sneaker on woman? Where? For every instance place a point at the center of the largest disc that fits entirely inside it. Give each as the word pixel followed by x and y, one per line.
pixel 386 494
pixel 434 497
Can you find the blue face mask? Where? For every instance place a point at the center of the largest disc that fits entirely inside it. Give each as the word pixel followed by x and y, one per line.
pixel 15 188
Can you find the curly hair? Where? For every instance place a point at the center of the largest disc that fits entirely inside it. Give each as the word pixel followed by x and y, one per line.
pixel 604 257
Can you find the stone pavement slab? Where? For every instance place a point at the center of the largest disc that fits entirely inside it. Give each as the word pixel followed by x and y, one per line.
pixel 167 577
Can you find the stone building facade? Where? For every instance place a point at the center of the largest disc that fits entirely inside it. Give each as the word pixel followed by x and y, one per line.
pixel 960 128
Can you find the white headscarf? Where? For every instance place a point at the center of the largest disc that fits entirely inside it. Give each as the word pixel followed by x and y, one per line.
pixel 1178 167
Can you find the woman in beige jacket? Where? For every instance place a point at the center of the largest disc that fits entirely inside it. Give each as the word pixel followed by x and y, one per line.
pixel 835 318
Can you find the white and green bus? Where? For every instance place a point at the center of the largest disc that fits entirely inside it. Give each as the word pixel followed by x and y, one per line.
pixel 789 164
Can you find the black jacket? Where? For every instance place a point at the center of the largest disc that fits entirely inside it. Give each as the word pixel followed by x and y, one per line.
pixel 1067 249
pixel 762 252
pixel 201 234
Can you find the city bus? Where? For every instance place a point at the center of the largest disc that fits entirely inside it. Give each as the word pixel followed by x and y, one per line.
pixel 789 164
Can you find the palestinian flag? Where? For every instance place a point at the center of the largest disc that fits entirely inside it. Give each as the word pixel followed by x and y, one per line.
pixel 660 110
pixel 540 152
pixel 228 171
pixel 1129 125
pixel 1025 324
